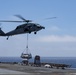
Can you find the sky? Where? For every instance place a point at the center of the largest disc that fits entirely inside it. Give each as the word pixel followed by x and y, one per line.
pixel 58 39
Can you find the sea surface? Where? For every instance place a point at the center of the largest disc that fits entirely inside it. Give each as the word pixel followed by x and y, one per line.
pixel 60 60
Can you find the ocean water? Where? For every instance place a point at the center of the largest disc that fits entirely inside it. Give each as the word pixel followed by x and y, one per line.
pixel 60 60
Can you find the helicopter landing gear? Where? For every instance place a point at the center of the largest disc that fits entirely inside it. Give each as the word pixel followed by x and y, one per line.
pixel 7 38
pixel 35 32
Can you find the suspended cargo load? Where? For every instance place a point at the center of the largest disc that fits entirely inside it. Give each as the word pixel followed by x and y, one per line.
pixel 27 56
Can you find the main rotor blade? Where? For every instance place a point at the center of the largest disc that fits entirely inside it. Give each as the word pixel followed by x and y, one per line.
pixel 10 21
pixel 19 16
pixel 51 18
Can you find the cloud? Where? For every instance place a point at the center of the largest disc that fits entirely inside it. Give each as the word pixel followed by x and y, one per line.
pixel 57 38
pixel 52 45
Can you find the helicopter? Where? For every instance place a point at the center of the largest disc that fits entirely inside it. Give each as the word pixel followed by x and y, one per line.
pixel 27 27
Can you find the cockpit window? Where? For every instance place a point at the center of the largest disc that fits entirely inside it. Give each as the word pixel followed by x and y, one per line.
pixel 37 24
pixel 18 27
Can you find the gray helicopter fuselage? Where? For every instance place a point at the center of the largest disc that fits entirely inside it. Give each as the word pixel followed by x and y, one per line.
pixel 25 28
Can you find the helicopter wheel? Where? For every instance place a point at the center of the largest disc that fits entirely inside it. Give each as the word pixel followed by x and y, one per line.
pixel 35 32
pixel 7 37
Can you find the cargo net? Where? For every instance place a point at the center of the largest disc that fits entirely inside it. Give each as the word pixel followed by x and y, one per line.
pixel 26 55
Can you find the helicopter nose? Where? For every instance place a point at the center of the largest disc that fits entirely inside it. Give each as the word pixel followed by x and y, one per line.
pixel 43 27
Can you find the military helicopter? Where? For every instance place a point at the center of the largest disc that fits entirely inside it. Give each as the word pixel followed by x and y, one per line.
pixel 27 27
